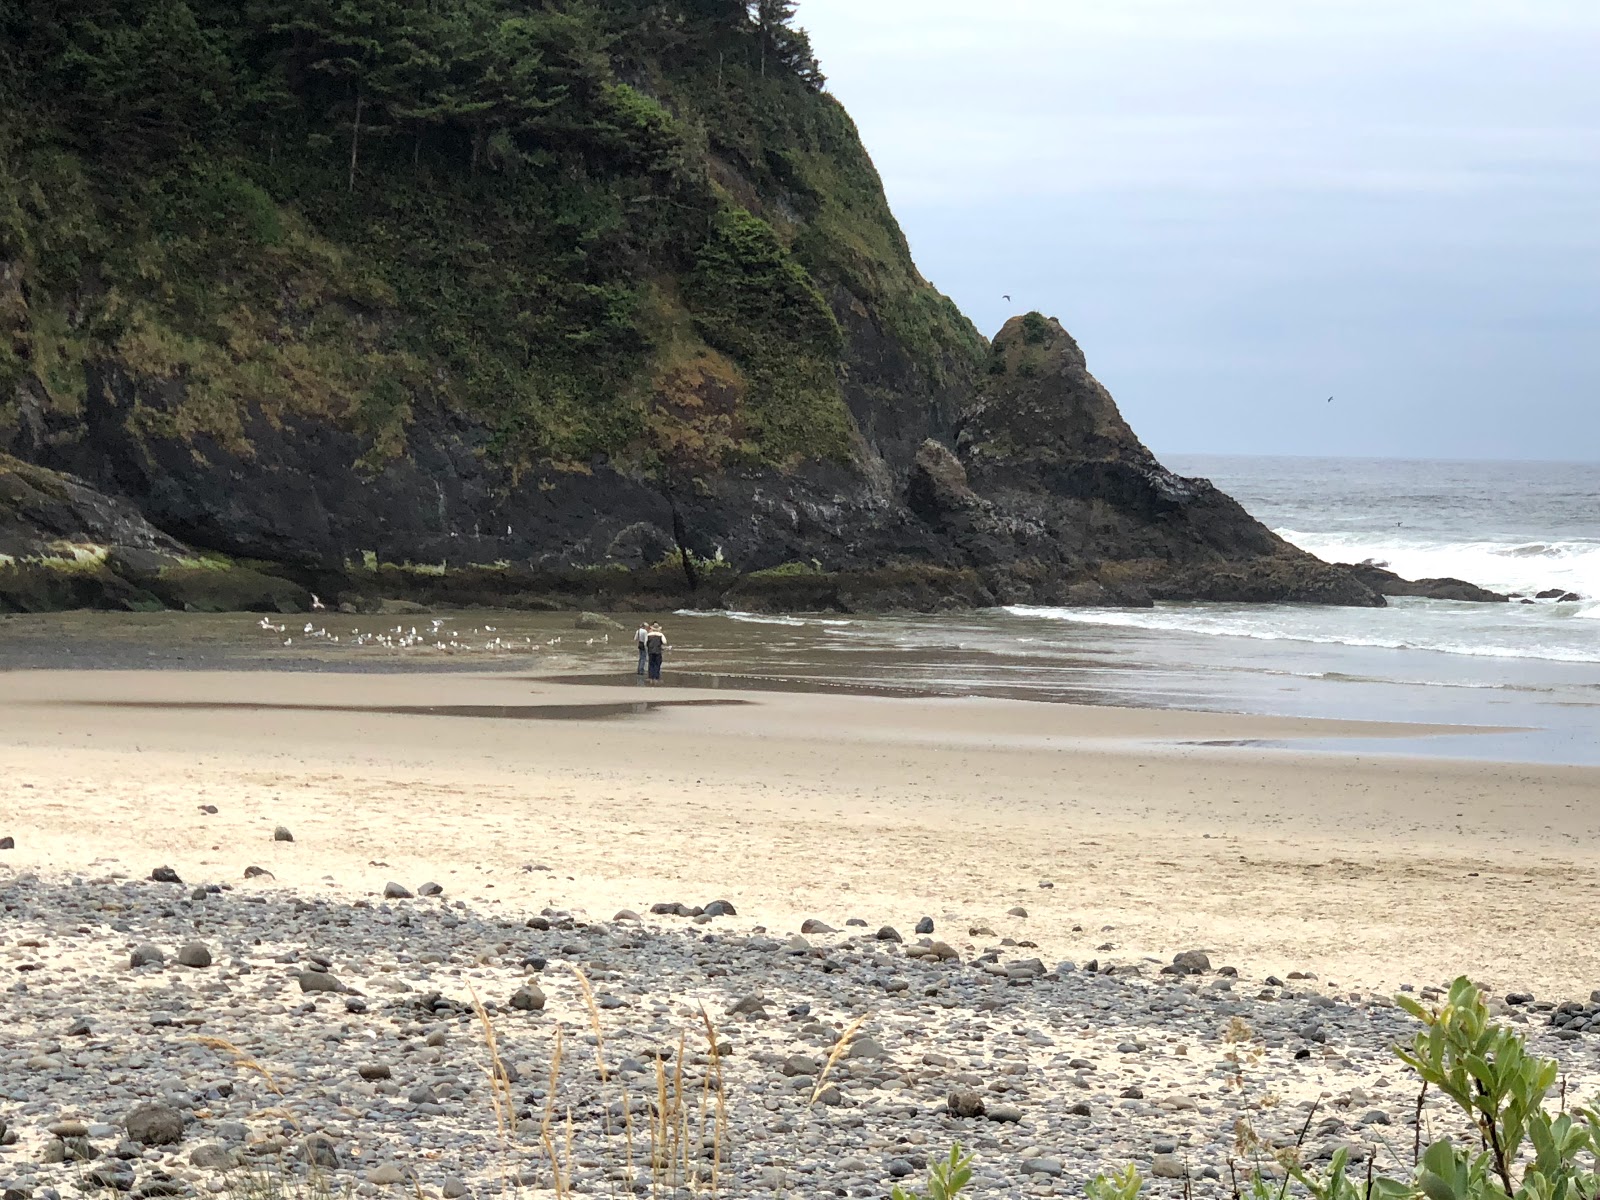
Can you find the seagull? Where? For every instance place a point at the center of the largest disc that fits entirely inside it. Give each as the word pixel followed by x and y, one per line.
pixel 1330 399
pixel 316 602
pixel 1005 297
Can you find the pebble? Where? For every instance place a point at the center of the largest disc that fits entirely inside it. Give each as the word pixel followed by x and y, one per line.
pixel 282 834
pixel 396 891
pixel 984 1047
pixel 194 954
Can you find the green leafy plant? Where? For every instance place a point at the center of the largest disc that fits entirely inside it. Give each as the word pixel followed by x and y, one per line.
pixel 1523 1151
pixel 945 1179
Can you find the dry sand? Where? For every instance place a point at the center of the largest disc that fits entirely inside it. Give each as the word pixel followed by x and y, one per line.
pixel 1371 870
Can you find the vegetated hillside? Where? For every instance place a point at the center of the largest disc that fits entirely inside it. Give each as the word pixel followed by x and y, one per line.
pixel 539 302
pixel 464 281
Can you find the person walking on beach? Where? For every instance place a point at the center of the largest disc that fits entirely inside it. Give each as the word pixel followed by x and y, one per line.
pixel 640 636
pixel 655 643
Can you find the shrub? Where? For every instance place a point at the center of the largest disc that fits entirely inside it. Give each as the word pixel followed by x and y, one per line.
pixel 1523 1153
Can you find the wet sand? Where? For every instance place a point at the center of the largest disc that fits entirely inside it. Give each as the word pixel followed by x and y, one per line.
pixel 1371 870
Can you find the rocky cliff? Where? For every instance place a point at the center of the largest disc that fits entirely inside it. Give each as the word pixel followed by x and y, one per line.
pixel 593 303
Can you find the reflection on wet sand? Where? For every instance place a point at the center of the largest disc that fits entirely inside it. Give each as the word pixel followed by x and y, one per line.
pixel 493 712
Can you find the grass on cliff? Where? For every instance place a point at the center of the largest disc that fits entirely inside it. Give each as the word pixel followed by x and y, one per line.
pixel 217 215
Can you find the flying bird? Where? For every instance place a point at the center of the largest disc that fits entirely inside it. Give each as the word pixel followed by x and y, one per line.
pixel 1005 297
pixel 1330 399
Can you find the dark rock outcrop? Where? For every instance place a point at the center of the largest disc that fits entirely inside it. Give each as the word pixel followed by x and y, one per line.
pixel 1047 497
pixel 1054 500
pixel 1386 583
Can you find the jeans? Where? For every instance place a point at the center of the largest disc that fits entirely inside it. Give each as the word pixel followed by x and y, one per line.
pixel 642 660
pixel 655 666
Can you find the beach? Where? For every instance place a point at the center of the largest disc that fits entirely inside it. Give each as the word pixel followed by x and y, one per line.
pixel 1375 870
pixel 259 919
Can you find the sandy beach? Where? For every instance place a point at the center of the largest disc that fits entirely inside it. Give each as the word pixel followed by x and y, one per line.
pixel 1372 870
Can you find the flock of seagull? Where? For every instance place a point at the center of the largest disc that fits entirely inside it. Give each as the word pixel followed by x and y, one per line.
pixel 434 637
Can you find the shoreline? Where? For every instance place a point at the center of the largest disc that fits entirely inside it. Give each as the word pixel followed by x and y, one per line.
pixel 806 805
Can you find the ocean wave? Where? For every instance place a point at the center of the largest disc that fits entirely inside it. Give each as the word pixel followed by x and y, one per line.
pixel 1527 567
pixel 751 618
pixel 1277 624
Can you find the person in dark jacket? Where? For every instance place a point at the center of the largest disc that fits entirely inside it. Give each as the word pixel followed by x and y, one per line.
pixel 655 645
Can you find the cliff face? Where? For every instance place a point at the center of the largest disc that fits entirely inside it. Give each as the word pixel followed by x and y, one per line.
pixel 302 290
pixel 1054 498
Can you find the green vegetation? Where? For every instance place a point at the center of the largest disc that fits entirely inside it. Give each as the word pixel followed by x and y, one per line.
pixel 593 227
pixel 1522 1151
pixel 945 1179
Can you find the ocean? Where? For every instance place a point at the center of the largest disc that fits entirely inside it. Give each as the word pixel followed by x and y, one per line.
pixel 1514 527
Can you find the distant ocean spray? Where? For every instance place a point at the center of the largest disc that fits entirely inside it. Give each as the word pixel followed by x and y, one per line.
pixel 1513 527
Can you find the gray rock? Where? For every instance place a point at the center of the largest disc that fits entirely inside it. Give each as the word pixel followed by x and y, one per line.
pixel 195 954
pixel 925 925
pixel 1006 1113
pixel 752 1003
pixel 812 925
pixel 154 1125
pixel 964 1104
pixel 453 1187
pixel 721 908
pixel 212 1157
pixel 1042 1166
pixel 1167 1166
pixel 867 1047
pixel 1018 911
pixel 258 873
pixel 374 1071
pixel 528 998
pixel 386 1174
pixel 396 891
pixel 164 875
pixel 321 1151
pixel 68 1129
pixel 319 981
pixel 430 889
pixel 282 834
pixel 890 934
pixel 1192 962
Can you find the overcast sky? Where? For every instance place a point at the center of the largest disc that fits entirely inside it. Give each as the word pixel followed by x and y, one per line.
pixel 1241 207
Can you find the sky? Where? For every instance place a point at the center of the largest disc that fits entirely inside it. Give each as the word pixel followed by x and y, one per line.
pixel 1243 207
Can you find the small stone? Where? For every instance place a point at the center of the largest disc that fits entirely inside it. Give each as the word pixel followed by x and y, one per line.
pixel 1192 962
pixel 812 925
pixel 282 834
pixel 258 873
pixel 396 891
pixel 195 954
pixel 146 955
pixel 721 908
pixel 1006 1113
pixel 528 998
pixel 321 1151
pixel 925 925
pixel 212 1157
pixel 1167 1166
pixel 1080 1109
pixel 385 1175
pixel 8 843
pixel 890 934
pixel 1018 911
pixel 752 1003
pixel 430 889
pixel 452 1188
pixel 374 1071
pixel 1042 1166
pixel 154 1125
pixel 68 1129
pixel 964 1104
pixel 797 945
pixel 319 981
pixel 867 1047
pixel 626 914
pixel 80 1028
pixel 164 875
